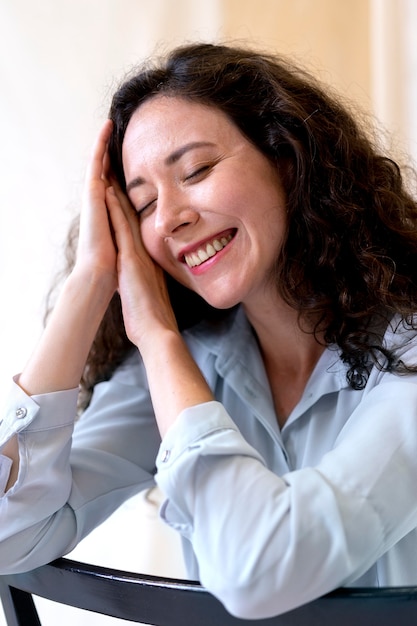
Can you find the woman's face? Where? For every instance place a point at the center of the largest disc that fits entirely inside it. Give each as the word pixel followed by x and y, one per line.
pixel 211 206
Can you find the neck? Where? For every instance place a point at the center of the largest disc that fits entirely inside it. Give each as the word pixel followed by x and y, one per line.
pixel 289 353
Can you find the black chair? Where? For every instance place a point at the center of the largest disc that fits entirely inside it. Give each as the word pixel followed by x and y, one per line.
pixel 170 602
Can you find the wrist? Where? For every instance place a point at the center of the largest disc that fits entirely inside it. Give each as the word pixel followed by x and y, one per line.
pixel 160 343
pixel 92 282
pixel 175 381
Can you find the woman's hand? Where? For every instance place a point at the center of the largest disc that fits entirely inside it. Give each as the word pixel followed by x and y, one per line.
pixel 59 360
pixel 96 253
pixel 175 382
pixel 142 287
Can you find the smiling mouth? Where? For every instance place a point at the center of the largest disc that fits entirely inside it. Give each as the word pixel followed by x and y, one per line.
pixel 206 252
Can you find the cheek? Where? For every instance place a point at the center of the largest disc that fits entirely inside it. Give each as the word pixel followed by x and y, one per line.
pixel 153 244
pixel 149 239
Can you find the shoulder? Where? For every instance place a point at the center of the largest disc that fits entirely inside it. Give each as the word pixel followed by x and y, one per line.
pixel 401 337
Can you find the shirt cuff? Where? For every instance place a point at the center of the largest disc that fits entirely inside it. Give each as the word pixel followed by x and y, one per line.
pixel 204 431
pixel 193 425
pixel 52 410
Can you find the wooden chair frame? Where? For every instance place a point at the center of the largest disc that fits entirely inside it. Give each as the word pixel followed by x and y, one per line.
pixel 171 602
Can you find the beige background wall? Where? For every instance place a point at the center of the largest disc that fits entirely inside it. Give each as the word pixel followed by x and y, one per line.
pixel 59 61
pixel 332 37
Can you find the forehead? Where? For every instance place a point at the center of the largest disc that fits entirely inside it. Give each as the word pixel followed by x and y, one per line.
pixel 163 122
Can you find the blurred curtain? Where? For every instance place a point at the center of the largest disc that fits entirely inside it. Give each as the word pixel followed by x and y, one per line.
pixel 394 70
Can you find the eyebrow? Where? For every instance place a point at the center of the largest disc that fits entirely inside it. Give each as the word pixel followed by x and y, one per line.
pixel 170 160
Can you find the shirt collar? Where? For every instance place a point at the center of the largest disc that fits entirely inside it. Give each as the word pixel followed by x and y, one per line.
pixel 234 345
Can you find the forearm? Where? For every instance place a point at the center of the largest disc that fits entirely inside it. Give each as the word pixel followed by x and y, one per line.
pixel 58 362
pixel 277 532
pixel 59 359
pixel 175 381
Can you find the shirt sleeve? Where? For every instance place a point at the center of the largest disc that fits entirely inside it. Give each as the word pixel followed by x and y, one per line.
pixel 266 544
pixel 71 479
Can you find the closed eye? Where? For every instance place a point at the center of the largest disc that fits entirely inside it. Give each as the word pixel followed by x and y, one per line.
pixel 146 206
pixel 198 173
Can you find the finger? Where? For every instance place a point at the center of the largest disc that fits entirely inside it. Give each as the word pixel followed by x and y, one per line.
pixel 98 164
pixel 118 217
pixel 117 188
pixel 106 176
pixel 124 218
pixel 125 203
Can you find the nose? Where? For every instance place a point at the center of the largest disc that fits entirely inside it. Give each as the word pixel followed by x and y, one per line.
pixel 173 213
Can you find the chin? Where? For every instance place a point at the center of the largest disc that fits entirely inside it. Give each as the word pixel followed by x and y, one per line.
pixel 221 303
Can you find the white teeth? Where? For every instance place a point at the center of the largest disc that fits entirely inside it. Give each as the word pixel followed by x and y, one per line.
pixel 210 250
pixel 203 254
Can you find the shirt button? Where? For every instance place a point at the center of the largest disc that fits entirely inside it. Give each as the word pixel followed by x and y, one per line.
pixel 21 412
pixel 166 455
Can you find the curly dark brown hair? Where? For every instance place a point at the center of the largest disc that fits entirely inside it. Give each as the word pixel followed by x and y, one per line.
pixel 348 262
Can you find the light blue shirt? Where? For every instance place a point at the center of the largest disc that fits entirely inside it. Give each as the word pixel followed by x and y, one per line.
pixel 270 518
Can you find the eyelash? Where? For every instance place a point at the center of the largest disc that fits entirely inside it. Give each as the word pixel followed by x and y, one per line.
pixel 198 171
pixel 139 211
pixel 201 170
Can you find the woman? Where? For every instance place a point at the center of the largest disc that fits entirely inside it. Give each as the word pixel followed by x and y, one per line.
pixel 241 314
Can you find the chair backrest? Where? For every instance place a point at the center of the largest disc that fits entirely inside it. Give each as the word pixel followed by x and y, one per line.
pixel 170 602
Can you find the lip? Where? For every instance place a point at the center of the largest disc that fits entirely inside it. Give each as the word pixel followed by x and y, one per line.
pixel 193 249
